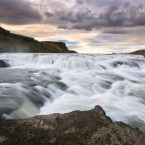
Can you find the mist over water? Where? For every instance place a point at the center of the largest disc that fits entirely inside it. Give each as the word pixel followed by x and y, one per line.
pixel 60 83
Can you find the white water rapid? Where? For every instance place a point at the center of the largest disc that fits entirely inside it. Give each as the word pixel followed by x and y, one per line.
pixel 59 83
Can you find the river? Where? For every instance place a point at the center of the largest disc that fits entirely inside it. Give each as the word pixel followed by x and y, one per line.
pixel 59 83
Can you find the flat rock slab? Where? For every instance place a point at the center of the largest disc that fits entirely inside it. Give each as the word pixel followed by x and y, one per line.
pixel 91 127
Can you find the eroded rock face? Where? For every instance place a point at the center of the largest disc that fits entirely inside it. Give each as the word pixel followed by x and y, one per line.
pixel 76 128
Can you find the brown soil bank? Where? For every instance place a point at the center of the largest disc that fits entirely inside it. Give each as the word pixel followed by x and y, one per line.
pixel 76 128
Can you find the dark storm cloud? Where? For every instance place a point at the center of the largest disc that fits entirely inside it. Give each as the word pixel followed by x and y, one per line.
pixel 131 16
pixel 84 15
pixel 103 3
pixel 18 12
pixel 132 31
pixel 113 15
pixel 49 14
pixel 115 32
pixel 79 2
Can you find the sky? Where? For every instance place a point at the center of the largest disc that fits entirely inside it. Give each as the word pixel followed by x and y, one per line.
pixel 86 26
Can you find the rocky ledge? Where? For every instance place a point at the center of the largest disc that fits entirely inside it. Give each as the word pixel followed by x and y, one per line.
pixel 91 127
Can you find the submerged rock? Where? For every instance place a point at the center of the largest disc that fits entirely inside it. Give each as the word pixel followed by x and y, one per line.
pixel 91 127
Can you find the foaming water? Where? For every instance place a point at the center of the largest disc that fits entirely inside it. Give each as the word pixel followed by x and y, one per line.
pixel 60 83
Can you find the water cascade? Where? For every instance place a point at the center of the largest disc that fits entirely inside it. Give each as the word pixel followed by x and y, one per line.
pixel 59 83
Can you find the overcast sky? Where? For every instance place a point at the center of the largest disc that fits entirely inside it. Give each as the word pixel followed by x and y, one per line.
pixel 87 26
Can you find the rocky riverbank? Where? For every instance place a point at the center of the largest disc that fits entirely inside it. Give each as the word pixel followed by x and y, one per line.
pixel 91 127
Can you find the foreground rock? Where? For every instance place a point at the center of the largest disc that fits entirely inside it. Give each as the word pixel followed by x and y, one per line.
pixel 77 128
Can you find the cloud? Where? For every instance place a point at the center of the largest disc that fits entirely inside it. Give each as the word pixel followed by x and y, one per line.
pixel 18 12
pixel 130 16
pixel 82 18
pixel 103 3
pixel 79 15
pixel 74 43
pixel 79 2
pixel 115 31
pixel 87 25
pixel 49 14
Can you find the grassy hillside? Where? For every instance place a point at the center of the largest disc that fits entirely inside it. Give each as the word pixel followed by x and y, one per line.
pixel 139 52
pixel 57 47
pixel 10 42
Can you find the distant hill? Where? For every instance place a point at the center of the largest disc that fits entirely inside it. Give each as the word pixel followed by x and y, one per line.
pixel 139 52
pixel 14 43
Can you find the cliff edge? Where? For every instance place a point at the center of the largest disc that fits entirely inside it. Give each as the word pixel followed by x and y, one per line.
pixel 14 43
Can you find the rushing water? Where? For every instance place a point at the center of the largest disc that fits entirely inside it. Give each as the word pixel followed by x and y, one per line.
pixel 59 83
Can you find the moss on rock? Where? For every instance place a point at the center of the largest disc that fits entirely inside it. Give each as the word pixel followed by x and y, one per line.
pixel 91 127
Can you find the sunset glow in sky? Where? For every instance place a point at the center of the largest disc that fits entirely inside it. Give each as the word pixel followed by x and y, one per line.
pixel 86 26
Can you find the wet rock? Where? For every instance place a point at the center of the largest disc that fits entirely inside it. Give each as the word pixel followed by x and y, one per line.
pixel 91 127
pixel 3 64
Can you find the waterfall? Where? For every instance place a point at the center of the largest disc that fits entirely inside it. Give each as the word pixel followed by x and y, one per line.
pixel 60 83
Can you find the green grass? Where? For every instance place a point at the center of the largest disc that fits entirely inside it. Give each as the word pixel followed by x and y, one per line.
pixel 54 48
pixel 18 43
pixel 12 44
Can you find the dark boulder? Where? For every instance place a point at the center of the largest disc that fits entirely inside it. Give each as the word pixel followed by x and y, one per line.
pixel 91 127
pixel 3 64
